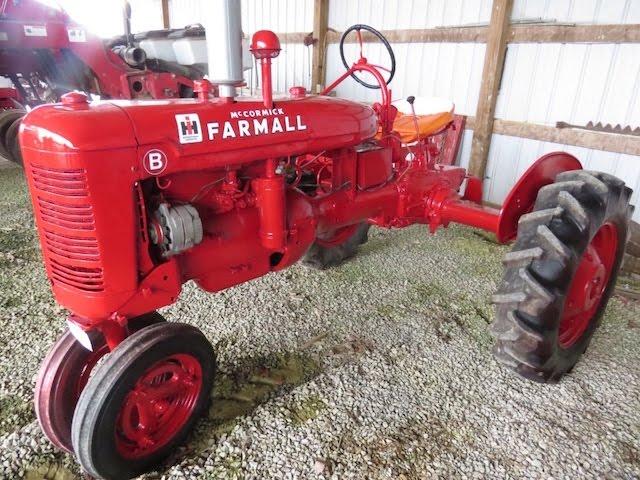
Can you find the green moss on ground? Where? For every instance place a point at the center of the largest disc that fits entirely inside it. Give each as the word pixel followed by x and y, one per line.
pixel 308 409
pixel 50 471
pixel 15 413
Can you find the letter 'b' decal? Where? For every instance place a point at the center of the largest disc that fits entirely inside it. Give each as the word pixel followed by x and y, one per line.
pixel 155 162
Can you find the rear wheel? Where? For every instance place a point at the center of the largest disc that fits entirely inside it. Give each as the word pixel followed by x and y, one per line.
pixel 143 400
pixel 560 274
pixel 333 249
pixel 63 375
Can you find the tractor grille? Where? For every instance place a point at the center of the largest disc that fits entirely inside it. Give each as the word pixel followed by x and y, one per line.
pixel 68 227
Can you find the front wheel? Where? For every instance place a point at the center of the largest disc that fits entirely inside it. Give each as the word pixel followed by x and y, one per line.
pixel 63 375
pixel 561 273
pixel 143 400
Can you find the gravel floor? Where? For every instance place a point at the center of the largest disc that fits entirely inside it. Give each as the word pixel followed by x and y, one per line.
pixel 378 369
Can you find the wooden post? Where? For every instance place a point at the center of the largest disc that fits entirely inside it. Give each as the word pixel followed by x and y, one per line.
pixel 320 27
pixel 491 77
pixel 165 14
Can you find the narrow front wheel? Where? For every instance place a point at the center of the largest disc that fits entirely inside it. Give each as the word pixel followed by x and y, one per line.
pixel 143 400
pixel 63 375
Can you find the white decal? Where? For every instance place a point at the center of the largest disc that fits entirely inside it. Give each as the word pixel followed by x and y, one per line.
pixel 228 131
pixel 77 35
pixel 155 162
pixel 4 37
pixel 277 126
pixel 189 129
pixel 243 128
pixel 263 112
pixel 273 121
pixel 213 128
pixel 35 30
pixel 260 126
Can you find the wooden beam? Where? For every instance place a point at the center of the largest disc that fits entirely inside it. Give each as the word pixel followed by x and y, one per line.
pixel 426 35
pixel 166 21
pixel 574 34
pixel 293 37
pixel 491 77
pixel 320 27
pixel 607 142
pixel 516 34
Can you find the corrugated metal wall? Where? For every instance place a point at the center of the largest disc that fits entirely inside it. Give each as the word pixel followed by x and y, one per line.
pixel 424 69
pixel 543 83
pixel 576 83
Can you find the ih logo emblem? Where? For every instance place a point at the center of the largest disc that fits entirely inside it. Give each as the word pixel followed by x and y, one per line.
pixel 189 129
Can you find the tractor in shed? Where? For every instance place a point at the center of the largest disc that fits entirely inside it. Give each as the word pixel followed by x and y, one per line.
pixel 132 199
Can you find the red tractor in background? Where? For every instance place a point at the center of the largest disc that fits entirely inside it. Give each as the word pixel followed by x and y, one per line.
pixel 224 189
pixel 45 54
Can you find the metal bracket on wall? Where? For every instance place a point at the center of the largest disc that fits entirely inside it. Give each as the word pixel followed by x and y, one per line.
pixel 599 127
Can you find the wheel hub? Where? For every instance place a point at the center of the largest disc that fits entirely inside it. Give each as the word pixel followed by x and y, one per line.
pixel 158 406
pixel 588 285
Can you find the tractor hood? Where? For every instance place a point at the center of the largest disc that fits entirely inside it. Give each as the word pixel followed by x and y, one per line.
pixel 190 132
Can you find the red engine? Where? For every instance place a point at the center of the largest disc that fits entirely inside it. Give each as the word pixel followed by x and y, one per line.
pixel 121 190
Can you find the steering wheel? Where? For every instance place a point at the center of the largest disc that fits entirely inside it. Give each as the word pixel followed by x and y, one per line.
pixel 357 28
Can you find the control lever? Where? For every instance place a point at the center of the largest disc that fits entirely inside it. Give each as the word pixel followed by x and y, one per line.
pixel 410 100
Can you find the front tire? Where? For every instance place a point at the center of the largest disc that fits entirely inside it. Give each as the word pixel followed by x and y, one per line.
pixel 560 274
pixel 63 375
pixel 142 402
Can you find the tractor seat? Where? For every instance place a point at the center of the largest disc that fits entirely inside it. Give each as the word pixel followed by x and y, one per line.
pixel 433 114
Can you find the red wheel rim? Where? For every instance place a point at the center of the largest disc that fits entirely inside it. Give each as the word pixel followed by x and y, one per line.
pixel 159 405
pixel 337 237
pixel 588 285
pixel 62 377
pixel 93 358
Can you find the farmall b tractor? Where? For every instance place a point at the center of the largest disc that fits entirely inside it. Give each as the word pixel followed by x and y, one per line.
pixel 132 199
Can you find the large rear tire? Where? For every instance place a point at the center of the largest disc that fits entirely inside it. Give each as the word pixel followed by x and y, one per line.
pixel 142 402
pixel 561 273
pixel 336 247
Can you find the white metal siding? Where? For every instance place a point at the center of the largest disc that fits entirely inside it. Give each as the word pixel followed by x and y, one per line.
pixel 575 83
pixel 446 70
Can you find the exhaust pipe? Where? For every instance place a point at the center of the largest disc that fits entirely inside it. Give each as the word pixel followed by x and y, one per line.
pixel 222 23
pixel 133 56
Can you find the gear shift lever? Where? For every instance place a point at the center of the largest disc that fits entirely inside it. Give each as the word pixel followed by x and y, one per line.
pixel 412 99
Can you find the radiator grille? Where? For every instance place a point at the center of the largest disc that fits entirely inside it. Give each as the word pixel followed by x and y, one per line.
pixel 67 182
pixel 68 226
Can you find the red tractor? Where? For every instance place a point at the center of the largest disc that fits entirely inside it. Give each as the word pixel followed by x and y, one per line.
pixel 45 54
pixel 133 199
